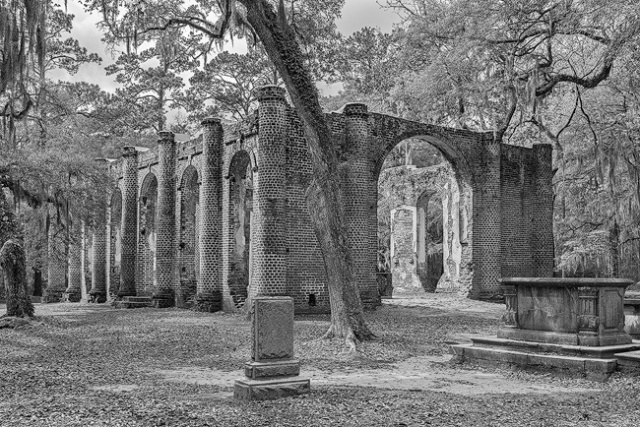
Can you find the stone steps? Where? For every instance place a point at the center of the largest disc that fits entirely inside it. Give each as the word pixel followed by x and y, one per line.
pixel 591 368
pixel 593 352
pixel 134 302
pixel 629 361
pixel 595 363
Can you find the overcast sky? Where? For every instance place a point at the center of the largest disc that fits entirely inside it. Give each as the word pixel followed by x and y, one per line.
pixel 355 15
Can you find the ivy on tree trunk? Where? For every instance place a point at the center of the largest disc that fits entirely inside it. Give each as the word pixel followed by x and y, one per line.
pixel 323 195
pixel 12 261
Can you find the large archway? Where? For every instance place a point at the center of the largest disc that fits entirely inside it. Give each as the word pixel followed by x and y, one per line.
pixel 240 211
pixel 115 242
pixel 147 235
pixel 424 194
pixel 189 236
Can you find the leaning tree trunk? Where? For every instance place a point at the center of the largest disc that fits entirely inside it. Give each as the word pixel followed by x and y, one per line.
pixel 323 195
pixel 13 262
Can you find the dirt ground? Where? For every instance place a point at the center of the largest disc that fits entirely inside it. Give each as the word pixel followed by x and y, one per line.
pixel 418 373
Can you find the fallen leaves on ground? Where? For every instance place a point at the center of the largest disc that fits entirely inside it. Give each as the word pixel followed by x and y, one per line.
pixel 80 365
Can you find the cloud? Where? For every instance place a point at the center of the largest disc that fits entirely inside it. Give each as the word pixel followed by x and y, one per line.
pixel 365 13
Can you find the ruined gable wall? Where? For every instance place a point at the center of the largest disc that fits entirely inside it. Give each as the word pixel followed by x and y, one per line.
pixel 526 211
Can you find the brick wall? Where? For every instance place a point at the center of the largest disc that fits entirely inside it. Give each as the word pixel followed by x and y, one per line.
pixel 306 281
pixel 253 179
pixel 115 241
pixel 526 211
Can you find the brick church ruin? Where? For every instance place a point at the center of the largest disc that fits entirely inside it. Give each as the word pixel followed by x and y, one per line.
pixel 212 220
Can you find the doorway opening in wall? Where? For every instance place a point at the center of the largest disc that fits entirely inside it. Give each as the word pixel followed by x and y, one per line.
pixel 240 215
pixel 419 227
pixel 115 242
pixel 147 236
pixel 189 236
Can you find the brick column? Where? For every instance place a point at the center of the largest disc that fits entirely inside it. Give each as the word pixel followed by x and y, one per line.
pixel 115 242
pixel 84 292
pixel 360 195
pixel 268 231
pixel 129 223
pixel 98 292
pixel 74 289
pixel 57 263
pixel 164 294
pixel 209 293
pixel 107 249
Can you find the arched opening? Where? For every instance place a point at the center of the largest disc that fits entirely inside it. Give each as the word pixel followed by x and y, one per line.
pixel 147 235
pixel 115 241
pixel 424 197
pixel 240 212
pixel 188 247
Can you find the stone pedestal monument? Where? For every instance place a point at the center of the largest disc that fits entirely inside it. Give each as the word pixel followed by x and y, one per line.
pixel 272 372
pixel 572 325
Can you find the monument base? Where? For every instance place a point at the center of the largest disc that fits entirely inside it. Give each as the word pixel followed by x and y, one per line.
pixel 208 303
pixel 71 297
pixel 163 300
pixel 97 297
pixel 605 338
pixel 267 389
pixel 596 363
pixel 286 368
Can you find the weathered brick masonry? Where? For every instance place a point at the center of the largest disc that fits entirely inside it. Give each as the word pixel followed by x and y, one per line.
pixel 73 292
pixel 129 225
pixel 252 175
pixel 166 277
pixel 57 261
pixel 98 292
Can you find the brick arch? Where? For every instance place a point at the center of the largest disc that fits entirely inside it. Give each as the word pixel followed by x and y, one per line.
pixel 147 232
pixel 189 235
pixel 115 240
pixel 238 227
pixel 498 211
pixel 240 161
pixel 459 200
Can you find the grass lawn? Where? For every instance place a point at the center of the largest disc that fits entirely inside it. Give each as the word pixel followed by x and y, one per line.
pixel 81 364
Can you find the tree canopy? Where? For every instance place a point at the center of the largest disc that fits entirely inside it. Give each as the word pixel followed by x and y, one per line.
pixel 558 71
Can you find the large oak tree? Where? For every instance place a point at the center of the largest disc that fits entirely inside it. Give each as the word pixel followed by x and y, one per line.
pixel 282 35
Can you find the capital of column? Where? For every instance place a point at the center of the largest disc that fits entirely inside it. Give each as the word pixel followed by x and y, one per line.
pixel 211 121
pixel 269 92
pixel 356 109
pixel 166 137
pixel 129 152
